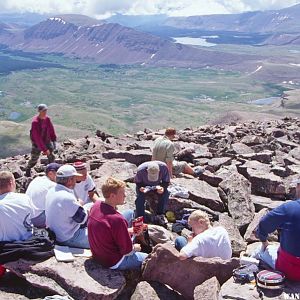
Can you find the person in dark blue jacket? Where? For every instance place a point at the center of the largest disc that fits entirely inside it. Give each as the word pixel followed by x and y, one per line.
pixel 286 218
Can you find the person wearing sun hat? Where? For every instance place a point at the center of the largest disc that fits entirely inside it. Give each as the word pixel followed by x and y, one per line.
pixel 64 214
pixel 43 138
pixel 286 257
pixel 154 174
pixel 37 191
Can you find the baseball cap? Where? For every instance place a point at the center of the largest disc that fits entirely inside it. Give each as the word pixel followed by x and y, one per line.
pixel 153 171
pixel 42 107
pixel 79 165
pixel 67 171
pixel 52 167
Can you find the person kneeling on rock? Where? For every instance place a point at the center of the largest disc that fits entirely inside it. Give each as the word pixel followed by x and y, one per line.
pixel 205 241
pixel 286 257
pixel 110 231
pixel 152 176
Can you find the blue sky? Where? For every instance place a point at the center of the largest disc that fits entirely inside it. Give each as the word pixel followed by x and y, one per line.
pixel 103 8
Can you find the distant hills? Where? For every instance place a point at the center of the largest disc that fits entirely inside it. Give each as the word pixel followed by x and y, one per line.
pixel 275 27
pixel 110 43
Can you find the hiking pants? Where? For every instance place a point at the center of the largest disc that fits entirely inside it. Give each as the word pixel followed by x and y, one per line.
pixel 35 154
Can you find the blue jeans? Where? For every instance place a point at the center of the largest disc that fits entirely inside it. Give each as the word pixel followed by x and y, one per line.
pixel 79 239
pixel 128 214
pixel 133 261
pixel 140 202
pixel 39 221
pixel 269 255
pixel 180 242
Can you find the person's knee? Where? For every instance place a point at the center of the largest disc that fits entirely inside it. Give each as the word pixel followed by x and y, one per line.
pixel 180 242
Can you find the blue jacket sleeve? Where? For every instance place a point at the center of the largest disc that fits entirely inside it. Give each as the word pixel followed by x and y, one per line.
pixel 271 221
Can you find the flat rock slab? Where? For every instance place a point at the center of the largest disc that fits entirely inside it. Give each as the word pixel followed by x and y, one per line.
pixel 154 291
pixel 264 202
pixel 202 193
pixel 136 157
pixel 208 290
pixel 82 279
pixel 232 290
pixel 266 184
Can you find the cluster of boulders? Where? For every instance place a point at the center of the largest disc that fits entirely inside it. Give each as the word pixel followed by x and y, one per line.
pixel 250 169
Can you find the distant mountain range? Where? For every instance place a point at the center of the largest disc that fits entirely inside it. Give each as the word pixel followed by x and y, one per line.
pixel 276 27
pixel 109 43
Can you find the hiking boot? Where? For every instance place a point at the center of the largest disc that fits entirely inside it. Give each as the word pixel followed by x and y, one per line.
pixel 28 172
pixel 198 172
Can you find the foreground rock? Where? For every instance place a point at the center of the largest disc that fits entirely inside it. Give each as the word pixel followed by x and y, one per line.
pixel 154 291
pixel 208 290
pixel 232 290
pixel 82 279
pixel 164 266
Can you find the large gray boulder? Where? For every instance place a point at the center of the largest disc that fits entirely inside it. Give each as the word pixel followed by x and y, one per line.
pixel 240 206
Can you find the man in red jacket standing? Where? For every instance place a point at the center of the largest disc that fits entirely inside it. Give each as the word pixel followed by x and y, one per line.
pixel 43 138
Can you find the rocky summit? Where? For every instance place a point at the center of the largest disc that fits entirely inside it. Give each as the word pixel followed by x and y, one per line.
pixel 250 168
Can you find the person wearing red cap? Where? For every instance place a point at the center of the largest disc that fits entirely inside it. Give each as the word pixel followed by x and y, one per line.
pixel 37 191
pixel 85 188
pixel 43 138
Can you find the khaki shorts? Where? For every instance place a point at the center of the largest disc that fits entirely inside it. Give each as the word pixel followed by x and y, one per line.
pixel 179 166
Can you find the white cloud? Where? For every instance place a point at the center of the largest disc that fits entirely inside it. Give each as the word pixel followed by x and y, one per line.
pixel 170 7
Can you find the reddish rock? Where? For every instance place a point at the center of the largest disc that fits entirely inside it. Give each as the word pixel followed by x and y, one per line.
pixel 264 202
pixel 240 148
pixel 202 193
pixel 208 290
pixel 154 291
pixel 250 233
pixel 136 157
pixel 266 184
pixel 218 162
pixel 164 266
pixel 81 279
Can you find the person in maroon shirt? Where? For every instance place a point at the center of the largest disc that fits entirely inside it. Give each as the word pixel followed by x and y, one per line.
pixel 108 232
pixel 43 138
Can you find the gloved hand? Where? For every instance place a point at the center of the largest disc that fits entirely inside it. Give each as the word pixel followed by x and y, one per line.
pixel 54 145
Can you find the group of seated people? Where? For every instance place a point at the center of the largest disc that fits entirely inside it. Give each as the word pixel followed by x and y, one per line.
pixel 65 201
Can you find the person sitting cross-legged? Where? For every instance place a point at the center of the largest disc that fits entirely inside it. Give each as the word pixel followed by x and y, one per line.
pixel 15 211
pixel 37 191
pixel 109 235
pixel 152 175
pixel 206 241
pixel 64 215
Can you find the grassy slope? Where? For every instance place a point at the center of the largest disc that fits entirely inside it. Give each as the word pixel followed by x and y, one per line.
pixel 86 97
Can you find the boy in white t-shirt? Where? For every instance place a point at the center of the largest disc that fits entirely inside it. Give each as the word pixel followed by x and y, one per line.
pixel 15 210
pixel 206 241
pixel 85 188
pixel 37 191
